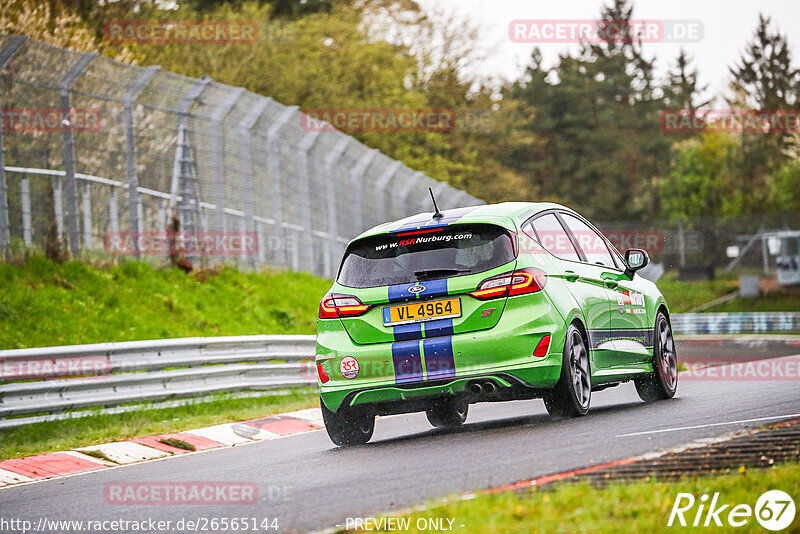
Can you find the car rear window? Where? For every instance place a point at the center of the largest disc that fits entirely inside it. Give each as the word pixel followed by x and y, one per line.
pixel 428 254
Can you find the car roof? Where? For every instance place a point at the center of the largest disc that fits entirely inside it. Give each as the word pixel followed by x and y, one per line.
pixel 506 214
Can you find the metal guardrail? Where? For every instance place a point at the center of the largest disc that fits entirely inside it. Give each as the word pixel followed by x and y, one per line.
pixel 55 380
pixel 736 322
pixel 43 380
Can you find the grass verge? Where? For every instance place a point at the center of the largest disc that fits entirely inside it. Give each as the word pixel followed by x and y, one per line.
pixel 685 296
pixel 52 436
pixel 43 303
pixel 621 507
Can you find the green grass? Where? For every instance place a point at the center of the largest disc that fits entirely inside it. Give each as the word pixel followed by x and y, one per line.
pixel 787 299
pixel 685 296
pixel 51 436
pixel 43 303
pixel 633 507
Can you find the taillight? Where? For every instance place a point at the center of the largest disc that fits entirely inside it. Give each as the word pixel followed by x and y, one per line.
pixel 341 306
pixel 508 285
pixel 323 376
pixel 541 349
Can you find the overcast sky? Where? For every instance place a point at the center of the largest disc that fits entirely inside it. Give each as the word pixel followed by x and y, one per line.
pixel 727 25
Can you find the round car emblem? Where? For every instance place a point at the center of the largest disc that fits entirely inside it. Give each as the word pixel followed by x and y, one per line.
pixel 349 367
pixel 416 289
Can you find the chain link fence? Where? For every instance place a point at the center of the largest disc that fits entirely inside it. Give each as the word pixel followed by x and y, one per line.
pixel 134 148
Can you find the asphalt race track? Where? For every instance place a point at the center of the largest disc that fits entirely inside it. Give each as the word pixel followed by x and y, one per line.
pixel 308 484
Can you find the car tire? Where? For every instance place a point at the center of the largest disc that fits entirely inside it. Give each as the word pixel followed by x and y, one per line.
pixel 348 426
pixel 662 383
pixel 448 413
pixel 573 392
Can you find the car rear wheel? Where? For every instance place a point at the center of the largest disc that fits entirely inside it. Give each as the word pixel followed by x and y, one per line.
pixel 572 393
pixel 448 413
pixel 662 383
pixel 348 426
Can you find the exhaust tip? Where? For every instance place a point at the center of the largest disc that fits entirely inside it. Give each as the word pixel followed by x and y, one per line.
pixel 490 388
pixel 476 388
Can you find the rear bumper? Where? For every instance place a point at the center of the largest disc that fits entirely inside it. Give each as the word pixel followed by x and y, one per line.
pixel 503 354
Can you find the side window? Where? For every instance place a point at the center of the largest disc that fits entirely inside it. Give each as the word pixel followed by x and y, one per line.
pixel 553 238
pixel 591 243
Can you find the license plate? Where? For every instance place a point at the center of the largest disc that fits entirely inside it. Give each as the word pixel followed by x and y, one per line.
pixel 418 312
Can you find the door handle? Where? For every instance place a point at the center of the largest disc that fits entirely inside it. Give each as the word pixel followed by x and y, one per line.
pixel 571 276
pixel 611 284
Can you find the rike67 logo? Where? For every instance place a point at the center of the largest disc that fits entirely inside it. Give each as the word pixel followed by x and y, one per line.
pixel 774 510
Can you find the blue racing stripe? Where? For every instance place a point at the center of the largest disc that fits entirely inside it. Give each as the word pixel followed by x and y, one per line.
pixel 407 362
pixel 439 360
pixel 404 332
pixel 443 327
pixel 434 288
pixel 400 292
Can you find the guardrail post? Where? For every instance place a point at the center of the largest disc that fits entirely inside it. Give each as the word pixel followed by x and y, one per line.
pixel 134 202
pixel 306 245
pixel 413 180
pixel 276 175
pixel 5 226
pixel 73 233
pixel 246 155
pixel 217 152
pixel 330 200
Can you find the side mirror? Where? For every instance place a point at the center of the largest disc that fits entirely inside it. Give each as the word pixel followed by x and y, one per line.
pixel 635 259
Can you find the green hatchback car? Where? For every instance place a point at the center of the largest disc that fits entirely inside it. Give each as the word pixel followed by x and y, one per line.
pixel 488 303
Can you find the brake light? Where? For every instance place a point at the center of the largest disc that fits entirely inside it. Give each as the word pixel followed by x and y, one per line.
pixel 323 376
pixel 341 306
pixel 541 348
pixel 508 285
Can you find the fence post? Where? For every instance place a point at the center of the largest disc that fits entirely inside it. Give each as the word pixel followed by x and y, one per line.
pixel 413 180
pixel 306 244
pixel 58 206
pixel 357 178
pixel 217 152
pixel 88 242
pixel 25 194
pixel 113 212
pixel 73 232
pixel 184 178
pixel 134 202
pixel 330 201
pixel 381 186
pixel 5 227
pixel 246 155
pixel 276 172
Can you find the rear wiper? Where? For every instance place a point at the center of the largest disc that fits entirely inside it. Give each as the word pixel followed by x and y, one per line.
pixel 427 273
